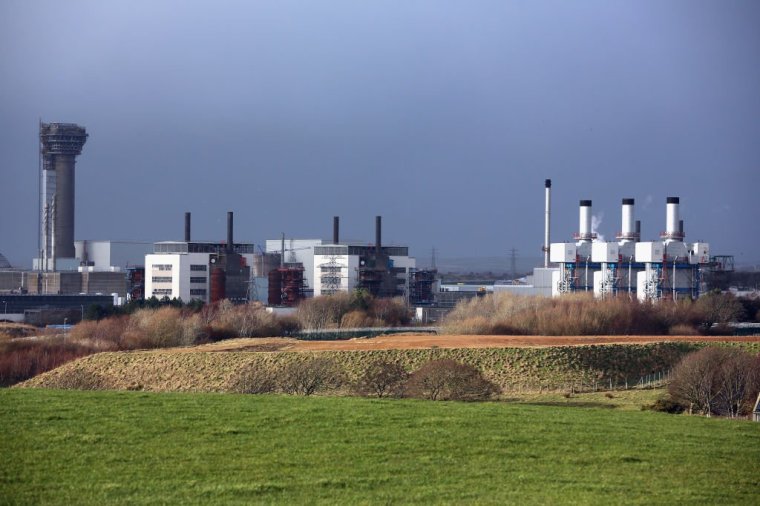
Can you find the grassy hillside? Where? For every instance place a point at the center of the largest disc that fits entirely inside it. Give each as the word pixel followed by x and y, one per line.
pixel 66 447
pixel 512 368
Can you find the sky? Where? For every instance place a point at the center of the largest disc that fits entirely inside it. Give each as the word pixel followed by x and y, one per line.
pixel 444 117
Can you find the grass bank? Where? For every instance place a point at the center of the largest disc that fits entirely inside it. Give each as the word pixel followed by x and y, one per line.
pixel 560 367
pixel 116 447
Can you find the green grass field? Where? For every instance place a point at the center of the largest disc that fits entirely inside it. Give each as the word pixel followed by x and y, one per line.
pixel 135 447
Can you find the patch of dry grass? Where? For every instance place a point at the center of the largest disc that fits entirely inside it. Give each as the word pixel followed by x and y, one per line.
pixel 571 315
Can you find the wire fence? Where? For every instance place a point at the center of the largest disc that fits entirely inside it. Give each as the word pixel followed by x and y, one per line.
pixel 652 380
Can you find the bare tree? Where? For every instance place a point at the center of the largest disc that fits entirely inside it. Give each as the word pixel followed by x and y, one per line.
pixel 382 379
pixel 739 382
pixel 721 308
pixel 716 381
pixel 253 379
pixel 695 380
pixel 309 376
pixel 449 380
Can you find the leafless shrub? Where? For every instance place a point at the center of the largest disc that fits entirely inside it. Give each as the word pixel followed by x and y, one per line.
pixel 155 328
pixel 193 329
pixel 449 380
pixel 253 379
pixel 84 330
pixel 382 379
pixel 24 359
pixel 323 312
pixel 289 324
pixel 356 319
pixel 309 376
pixel 106 334
pixel 718 381
pixel 390 312
pixel 350 310
pixel 576 314
pixel 246 320
pixel 719 308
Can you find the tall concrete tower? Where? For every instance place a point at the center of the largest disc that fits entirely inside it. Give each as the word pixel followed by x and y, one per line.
pixel 60 144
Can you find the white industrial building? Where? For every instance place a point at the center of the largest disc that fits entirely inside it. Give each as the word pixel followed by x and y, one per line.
pixel 669 268
pixel 341 267
pixel 196 270
pixel 182 269
pixel 105 255
pixel 538 283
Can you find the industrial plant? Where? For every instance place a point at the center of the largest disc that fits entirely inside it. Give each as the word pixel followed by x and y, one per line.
pixel 206 271
pixel 652 270
pixel 286 271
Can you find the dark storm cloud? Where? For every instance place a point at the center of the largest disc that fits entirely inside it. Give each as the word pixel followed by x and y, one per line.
pixel 445 117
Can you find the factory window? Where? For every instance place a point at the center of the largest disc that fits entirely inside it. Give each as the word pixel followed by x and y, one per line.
pixel 197 267
pixel 199 279
pixel 162 267
pixel 162 291
pixel 198 291
pixel 162 279
pixel 331 250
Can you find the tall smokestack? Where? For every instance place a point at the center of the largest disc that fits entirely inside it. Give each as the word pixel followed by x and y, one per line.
pixel 378 233
pixel 628 230
pixel 187 227
pixel 336 229
pixel 547 219
pixel 672 219
pixel 584 215
pixel 229 232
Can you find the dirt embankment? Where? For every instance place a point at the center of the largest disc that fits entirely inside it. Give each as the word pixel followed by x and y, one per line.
pixel 539 364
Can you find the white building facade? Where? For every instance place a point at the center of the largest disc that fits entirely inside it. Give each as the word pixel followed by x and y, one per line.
pixel 179 270
pixel 338 267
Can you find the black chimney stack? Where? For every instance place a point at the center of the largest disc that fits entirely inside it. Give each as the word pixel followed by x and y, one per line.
pixel 336 229
pixel 229 232
pixel 378 233
pixel 187 227
pixel 638 230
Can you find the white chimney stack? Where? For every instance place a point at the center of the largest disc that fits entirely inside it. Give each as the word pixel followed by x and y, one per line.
pixel 672 220
pixel 547 216
pixel 628 230
pixel 584 233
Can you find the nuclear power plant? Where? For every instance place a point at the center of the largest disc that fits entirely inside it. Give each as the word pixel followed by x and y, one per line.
pixel 287 271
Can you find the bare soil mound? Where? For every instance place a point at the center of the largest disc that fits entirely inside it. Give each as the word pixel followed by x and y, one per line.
pixel 508 362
